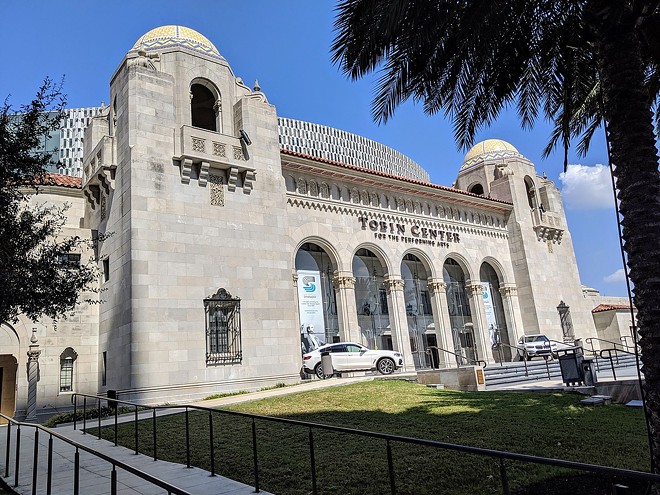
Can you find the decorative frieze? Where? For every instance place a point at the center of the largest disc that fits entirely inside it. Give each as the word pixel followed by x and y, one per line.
pixel 198 144
pixel 216 190
pixel 219 149
pixel 238 153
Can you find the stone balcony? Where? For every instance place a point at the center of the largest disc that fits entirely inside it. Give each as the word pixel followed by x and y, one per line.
pixel 99 170
pixel 547 225
pixel 203 150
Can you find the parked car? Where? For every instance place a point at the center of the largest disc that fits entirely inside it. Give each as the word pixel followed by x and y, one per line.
pixel 349 356
pixel 530 346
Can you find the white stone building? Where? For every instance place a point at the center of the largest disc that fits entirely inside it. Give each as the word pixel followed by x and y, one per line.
pixel 222 228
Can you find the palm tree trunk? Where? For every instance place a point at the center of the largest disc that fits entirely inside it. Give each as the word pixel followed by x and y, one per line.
pixel 633 151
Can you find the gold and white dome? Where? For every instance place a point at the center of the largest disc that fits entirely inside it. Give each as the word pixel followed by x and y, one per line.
pixel 164 37
pixel 488 150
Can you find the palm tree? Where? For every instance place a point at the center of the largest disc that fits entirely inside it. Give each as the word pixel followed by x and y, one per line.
pixel 581 63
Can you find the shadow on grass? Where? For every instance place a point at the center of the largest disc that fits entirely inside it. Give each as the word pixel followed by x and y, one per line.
pixel 544 425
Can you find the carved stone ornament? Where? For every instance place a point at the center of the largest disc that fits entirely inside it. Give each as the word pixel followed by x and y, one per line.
pixel 221 295
pixel 355 195
pixel 374 199
pixel 325 190
pixel 219 149
pixel 392 284
pixel 365 198
pixel 313 188
pixel 437 287
pixel 216 190
pixel 342 282
pixel 198 144
pixel 301 185
pixel 502 170
pixel 508 290
pixel 475 290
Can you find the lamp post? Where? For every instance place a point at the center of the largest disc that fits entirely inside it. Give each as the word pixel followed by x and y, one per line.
pixel 33 376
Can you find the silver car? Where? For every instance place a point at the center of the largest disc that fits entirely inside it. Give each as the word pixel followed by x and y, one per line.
pixel 349 356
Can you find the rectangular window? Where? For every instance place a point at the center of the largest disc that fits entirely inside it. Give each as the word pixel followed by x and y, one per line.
pixel 106 269
pixel 66 375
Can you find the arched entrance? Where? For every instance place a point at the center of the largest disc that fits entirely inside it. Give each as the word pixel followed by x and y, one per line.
pixel 495 319
pixel 317 303
pixel 418 310
pixel 371 300
pixel 9 350
pixel 458 307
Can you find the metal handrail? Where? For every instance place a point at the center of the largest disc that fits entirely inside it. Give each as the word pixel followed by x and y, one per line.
pixel 591 340
pixel 609 356
pixel 498 454
pixel 518 350
pixel 171 489
pixel 479 362
pixel 623 339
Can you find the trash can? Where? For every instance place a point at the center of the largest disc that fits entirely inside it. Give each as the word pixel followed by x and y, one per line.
pixel 326 364
pixel 589 372
pixel 112 394
pixel 570 364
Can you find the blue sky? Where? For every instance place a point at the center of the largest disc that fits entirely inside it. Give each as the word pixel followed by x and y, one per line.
pixel 285 45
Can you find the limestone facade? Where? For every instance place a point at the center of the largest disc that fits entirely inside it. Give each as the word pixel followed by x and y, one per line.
pixel 185 172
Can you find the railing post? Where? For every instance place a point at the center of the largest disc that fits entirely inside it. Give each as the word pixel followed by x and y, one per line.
pixel 254 455
pixel 547 368
pixel 18 454
pixel 76 472
pixel 7 456
pixel 612 364
pixel 116 424
pixel 390 468
pixel 187 439
pixel 99 406
pixel 113 480
pixel 49 472
pixel 35 461
pixel 84 415
pixel 312 461
pixel 75 411
pixel 154 424
pixel 135 432
pixel 504 477
pixel 211 443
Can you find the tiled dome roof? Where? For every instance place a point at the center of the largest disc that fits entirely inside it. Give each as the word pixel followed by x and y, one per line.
pixel 489 149
pixel 176 36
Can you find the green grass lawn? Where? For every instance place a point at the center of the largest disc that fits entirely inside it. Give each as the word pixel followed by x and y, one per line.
pixel 547 425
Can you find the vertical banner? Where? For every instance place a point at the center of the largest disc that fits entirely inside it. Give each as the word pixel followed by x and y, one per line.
pixel 310 309
pixel 489 307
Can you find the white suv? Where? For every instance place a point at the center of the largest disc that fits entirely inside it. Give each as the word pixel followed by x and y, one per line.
pixel 349 356
pixel 530 346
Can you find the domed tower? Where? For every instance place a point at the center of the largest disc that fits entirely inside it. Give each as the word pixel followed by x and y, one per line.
pixel 184 172
pixel 547 280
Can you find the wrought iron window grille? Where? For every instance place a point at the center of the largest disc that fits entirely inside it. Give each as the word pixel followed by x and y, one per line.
pixel 223 328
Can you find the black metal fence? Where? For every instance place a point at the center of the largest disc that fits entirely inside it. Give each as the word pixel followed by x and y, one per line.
pixel 115 464
pixel 501 456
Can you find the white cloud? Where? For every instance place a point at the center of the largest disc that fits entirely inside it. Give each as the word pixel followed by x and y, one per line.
pixel 617 276
pixel 587 188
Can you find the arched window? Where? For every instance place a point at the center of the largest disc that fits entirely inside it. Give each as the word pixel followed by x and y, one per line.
pixel 477 189
pixel 67 361
pixel 204 107
pixel 531 193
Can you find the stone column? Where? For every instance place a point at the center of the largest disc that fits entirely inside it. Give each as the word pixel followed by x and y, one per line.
pixel 481 337
pixel 512 313
pixel 438 290
pixel 344 284
pixel 399 320
pixel 33 376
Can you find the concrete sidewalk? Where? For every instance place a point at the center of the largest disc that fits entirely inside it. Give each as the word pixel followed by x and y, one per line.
pixel 95 473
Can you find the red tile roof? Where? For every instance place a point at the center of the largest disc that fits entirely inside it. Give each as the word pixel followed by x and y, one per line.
pixel 609 307
pixel 63 181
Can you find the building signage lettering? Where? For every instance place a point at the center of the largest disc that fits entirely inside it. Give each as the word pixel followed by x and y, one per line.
pixel 416 235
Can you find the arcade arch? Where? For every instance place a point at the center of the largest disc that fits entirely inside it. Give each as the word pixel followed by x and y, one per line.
pixel 371 299
pixel 9 350
pixel 419 313
pixel 317 300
